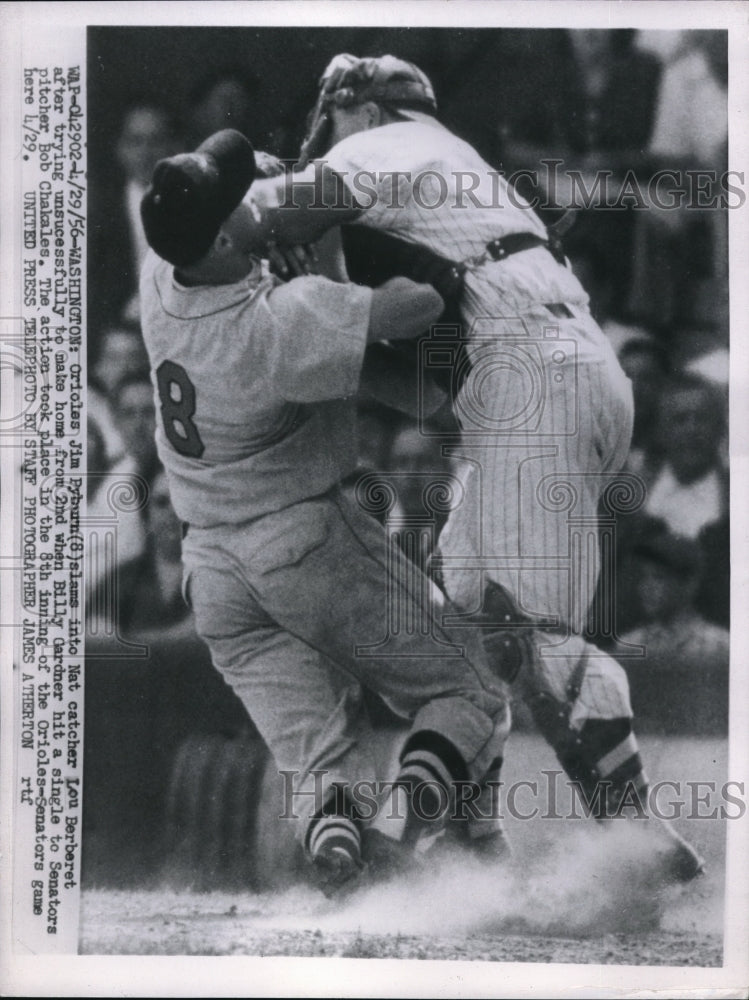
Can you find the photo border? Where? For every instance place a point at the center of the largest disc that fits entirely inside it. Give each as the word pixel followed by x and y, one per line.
pixel 232 976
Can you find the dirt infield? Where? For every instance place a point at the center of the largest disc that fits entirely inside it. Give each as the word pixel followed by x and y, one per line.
pixel 572 892
pixel 301 923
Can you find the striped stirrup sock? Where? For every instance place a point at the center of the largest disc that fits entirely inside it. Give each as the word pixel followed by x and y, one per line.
pixel 334 828
pixel 328 834
pixel 430 765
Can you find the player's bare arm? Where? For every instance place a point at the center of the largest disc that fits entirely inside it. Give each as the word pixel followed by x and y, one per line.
pixel 301 207
pixel 330 261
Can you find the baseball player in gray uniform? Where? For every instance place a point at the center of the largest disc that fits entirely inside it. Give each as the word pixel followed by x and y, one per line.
pixel 545 410
pixel 289 580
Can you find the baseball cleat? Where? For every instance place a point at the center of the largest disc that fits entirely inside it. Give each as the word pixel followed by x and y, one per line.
pixel 385 857
pixel 335 869
pixel 682 863
pixel 492 847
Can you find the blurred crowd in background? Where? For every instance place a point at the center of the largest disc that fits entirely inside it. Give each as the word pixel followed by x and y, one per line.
pixel 614 101
pixel 657 278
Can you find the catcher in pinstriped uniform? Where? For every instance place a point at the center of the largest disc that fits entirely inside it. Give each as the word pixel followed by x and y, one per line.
pixel 544 408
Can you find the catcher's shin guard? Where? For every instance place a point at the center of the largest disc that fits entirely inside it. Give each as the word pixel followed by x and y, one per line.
pixel 603 761
pixel 604 764
pixel 601 756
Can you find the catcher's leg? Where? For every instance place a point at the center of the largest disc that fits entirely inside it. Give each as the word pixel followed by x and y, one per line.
pixel 580 703
pixel 579 700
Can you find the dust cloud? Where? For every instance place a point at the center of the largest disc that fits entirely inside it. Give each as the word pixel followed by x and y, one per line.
pixel 585 881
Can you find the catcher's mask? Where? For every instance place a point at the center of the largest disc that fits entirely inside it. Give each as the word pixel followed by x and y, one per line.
pixel 349 81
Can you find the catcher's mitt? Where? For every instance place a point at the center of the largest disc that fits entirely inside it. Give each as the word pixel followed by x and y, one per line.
pixel 373 257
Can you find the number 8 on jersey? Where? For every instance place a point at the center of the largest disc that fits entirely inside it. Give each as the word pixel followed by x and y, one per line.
pixel 177 395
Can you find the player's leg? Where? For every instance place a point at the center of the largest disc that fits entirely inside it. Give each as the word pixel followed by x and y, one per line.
pixel 578 694
pixel 497 560
pixel 579 699
pixel 361 603
pixel 309 723
pixel 581 705
pixel 535 531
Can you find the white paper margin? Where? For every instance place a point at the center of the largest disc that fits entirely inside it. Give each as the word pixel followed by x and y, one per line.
pixel 230 976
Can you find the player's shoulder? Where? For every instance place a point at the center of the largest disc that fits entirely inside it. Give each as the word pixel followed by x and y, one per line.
pixel 153 265
pixel 310 292
pixel 171 312
pixel 390 141
pixel 155 275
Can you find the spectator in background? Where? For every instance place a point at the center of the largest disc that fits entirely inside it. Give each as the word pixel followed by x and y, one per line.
pixel 679 457
pixel 136 417
pixel 587 99
pixel 712 365
pixel 683 653
pixel 646 365
pixel 117 244
pixel 121 355
pixel 714 594
pixel 680 276
pixel 668 574
pixel 151 597
pixel 117 507
pixel 691 117
pixel 691 488
pixel 222 99
pixel 97 461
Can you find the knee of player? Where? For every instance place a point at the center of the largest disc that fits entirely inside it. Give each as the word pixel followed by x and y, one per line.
pixel 493 701
pixel 605 671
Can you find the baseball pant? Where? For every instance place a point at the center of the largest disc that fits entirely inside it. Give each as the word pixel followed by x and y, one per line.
pixel 280 598
pixel 544 432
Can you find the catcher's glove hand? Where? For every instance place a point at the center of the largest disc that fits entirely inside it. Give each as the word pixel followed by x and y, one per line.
pixel 373 257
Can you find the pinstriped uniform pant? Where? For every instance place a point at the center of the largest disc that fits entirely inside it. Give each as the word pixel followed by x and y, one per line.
pixel 546 417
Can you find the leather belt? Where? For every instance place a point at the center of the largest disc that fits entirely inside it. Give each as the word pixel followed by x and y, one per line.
pixel 504 247
pixel 514 243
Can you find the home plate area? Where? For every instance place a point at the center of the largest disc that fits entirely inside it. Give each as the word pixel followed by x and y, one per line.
pixel 572 892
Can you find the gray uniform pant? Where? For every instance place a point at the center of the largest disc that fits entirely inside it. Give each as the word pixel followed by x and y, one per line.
pixel 295 600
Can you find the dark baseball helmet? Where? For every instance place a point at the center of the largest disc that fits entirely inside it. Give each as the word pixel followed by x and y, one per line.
pixel 192 194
